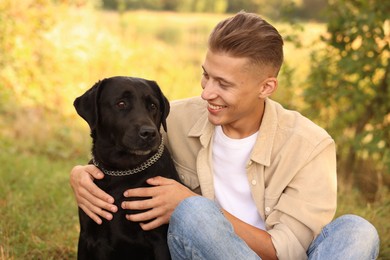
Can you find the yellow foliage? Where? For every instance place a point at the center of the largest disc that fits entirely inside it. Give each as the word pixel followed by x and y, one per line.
pixel 52 53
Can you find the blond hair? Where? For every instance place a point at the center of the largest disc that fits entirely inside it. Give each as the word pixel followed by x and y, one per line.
pixel 248 35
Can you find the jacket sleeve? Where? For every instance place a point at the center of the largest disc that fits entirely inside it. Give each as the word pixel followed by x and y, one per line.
pixel 306 204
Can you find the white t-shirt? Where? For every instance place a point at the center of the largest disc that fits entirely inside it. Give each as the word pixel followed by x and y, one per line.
pixel 232 191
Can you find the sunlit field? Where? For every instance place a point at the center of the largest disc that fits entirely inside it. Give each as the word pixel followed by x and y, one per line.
pixel 53 55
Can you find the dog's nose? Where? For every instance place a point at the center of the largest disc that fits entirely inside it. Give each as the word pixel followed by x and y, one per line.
pixel 147 132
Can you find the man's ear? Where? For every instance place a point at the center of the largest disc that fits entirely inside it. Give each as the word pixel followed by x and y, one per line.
pixel 268 87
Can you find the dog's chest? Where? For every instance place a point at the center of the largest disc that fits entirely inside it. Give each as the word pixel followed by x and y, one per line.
pixel 117 185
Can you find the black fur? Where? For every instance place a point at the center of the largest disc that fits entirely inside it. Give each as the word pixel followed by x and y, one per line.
pixel 125 115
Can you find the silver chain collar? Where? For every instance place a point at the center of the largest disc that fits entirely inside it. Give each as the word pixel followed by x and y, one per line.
pixel 138 169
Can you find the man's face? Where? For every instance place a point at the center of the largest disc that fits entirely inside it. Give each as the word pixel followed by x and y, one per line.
pixel 232 88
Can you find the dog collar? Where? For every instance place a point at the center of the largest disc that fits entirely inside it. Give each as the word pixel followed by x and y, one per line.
pixel 138 169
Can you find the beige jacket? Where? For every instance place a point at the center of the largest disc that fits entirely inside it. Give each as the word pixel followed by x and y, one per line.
pixel 292 170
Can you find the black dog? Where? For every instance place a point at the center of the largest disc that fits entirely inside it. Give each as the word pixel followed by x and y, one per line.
pixel 125 115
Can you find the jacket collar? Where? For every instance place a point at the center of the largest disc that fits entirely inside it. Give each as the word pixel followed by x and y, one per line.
pixel 262 150
pixel 202 129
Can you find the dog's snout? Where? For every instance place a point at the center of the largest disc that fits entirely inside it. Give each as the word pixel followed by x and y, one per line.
pixel 147 132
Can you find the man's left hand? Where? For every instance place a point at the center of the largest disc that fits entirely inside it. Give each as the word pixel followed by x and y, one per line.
pixel 162 200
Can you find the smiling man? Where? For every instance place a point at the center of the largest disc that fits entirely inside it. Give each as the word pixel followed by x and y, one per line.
pixel 266 175
pixel 233 88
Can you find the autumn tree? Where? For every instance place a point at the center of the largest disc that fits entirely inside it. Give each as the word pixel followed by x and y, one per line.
pixel 348 89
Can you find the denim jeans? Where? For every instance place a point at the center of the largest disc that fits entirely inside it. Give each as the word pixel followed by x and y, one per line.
pixel 198 230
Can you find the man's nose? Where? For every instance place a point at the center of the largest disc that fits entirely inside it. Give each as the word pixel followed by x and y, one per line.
pixel 209 90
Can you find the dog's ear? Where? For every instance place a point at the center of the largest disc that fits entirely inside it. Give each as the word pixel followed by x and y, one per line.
pixel 86 105
pixel 164 104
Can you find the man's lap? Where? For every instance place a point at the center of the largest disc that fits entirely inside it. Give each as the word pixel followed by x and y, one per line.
pixel 199 230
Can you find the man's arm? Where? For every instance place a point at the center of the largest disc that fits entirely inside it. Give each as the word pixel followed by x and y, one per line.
pixel 166 194
pixel 257 239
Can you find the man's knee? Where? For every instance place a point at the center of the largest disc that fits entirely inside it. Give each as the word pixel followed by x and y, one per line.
pixel 192 212
pixel 198 216
pixel 358 226
pixel 346 237
pixel 359 230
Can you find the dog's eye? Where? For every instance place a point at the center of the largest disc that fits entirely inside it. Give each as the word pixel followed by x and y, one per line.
pixel 121 104
pixel 153 106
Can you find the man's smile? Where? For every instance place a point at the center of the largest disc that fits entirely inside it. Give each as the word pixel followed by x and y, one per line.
pixel 215 107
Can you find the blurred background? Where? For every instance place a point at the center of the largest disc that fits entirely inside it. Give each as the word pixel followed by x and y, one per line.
pixel 336 72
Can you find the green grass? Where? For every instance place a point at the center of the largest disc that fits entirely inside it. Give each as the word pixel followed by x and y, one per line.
pixel 351 201
pixel 39 217
pixel 38 212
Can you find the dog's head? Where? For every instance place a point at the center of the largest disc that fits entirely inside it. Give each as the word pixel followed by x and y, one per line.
pixel 125 115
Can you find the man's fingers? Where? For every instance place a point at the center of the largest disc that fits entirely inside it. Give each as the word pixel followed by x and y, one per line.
pixel 92 215
pixel 94 201
pixel 94 171
pixel 157 181
pixel 140 192
pixel 139 204
pixel 141 216
pixel 81 179
pixel 152 191
pixel 95 210
pixel 154 214
pixel 99 193
pixel 152 224
pixel 162 198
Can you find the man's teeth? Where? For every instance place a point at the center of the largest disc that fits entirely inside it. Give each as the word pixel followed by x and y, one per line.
pixel 214 107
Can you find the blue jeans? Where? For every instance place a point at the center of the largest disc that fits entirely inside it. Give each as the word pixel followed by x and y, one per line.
pixel 198 230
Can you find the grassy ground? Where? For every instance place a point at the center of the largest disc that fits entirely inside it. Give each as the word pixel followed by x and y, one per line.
pixel 38 212
pixel 351 201
pixel 39 215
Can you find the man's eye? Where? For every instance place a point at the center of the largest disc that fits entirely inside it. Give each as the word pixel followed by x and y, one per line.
pixel 121 105
pixel 222 84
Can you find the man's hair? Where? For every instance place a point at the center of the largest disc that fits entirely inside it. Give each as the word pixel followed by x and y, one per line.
pixel 246 35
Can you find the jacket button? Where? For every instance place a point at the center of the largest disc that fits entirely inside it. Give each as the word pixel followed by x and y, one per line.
pixel 254 182
pixel 267 209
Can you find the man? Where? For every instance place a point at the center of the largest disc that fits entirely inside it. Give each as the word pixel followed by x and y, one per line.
pixel 267 175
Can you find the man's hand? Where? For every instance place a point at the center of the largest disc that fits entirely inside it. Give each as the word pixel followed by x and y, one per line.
pixel 90 198
pixel 164 196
